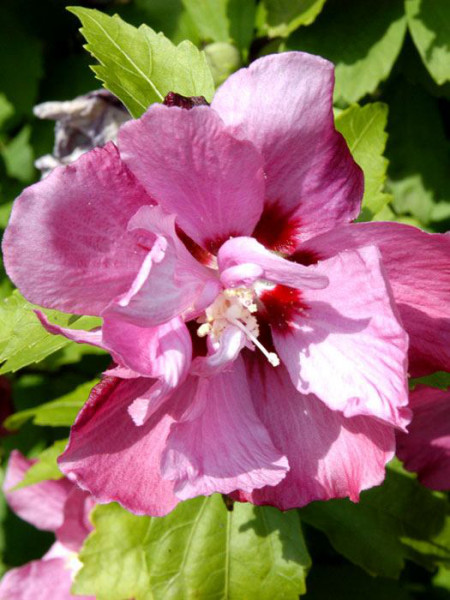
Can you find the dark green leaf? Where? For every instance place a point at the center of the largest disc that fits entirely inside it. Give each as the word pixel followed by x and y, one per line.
pixel 282 17
pixel 363 40
pixel 201 550
pixel 210 18
pixel 399 520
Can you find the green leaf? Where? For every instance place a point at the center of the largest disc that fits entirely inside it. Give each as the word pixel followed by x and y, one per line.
pixel 285 16
pixel 362 41
pixel 210 18
pixel 418 178
pixel 23 340
pixel 241 15
pixel 223 59
pixel 429 24
pixel 46 467
pixel 140 66
pixel 57 413
pixel 6 109
pixel 18 156
pixel 364 131
pixel 440 380
pixel 397 521
pixel 200 550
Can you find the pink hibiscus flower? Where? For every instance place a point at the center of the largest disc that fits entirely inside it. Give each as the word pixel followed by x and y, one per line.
pixel 259 335
pixel 57 506
pixel 426 448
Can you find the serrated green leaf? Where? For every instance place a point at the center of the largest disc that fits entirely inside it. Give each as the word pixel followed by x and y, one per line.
pixel 282 17
pixel 429 24
pixel 399 520
pixel 57 413
pixel 364 131
pixel 200 550
pixel 45 468
pixel 140 66
pixel 362 40
pixel 23 340
pixel 210 18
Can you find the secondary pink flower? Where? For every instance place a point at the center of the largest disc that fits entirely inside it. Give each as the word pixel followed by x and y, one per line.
pixel 257 332
pixel 57 506
pixel 426 448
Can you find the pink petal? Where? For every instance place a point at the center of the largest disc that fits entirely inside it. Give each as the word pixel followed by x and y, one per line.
pixel 41 504
pixel 40 580
pixel 220 445
pixel 170 281
pixel 236 256
pixel 80 336
pixel 194 168
pixel 67 244
pixel 283 104
pixel 331 456
pixel 348 347
pixel 418 267
pixel 76 525
pixel 164 351
pixel 113 459
pixel 426 448
pixel 221 355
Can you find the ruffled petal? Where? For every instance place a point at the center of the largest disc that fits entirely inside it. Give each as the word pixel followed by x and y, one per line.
pixel 219 444
pixel 426 448
pixel 171 282
pixel 283 104
pixel 418 268
pixel 221 354
pixel 76 525
pixel 80 336
pixel 243 261
pixel 67 244
pixel 331 456
pixel 347 347
pixel 113 459
pixel 194 168
pixel 41 504
pixel 40 580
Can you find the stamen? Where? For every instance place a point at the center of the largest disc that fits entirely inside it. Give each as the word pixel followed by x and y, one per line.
pixel 271 356
pixel 234 306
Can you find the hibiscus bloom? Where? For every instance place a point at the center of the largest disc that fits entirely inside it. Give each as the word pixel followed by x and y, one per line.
pixel 259 334
pixel 426 448
pixel 57 506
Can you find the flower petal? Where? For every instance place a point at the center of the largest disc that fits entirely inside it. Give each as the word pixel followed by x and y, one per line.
pixel 221 355
pixel 41 504
pixel 113 459
pixel 283 104
pixel 80 336
pixel 331 456
pixel 220 445
pixel 76 525
pixel 171 281
pixel 236 256
pixel 348 348
pixel 194 168
pixel 418 267
pixel 67 244
pixel 39 580
pixel 426 448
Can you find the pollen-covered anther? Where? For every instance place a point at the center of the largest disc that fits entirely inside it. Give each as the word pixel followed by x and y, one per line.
pixel 234 306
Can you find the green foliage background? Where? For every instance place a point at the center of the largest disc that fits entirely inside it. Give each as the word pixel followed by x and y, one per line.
pixel 392 101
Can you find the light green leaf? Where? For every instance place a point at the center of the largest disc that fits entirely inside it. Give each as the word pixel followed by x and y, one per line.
pixel 140 66
pixel 429 24
pixel 282 17
pixel 46 467
pixel 200 550
pixel 399 520
pixel 6 109
pixel 362 41
pixel 57 413
pixel 364 131
pixel 223 59
pixel 18 156
pixel 210 18
pixel 23 340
